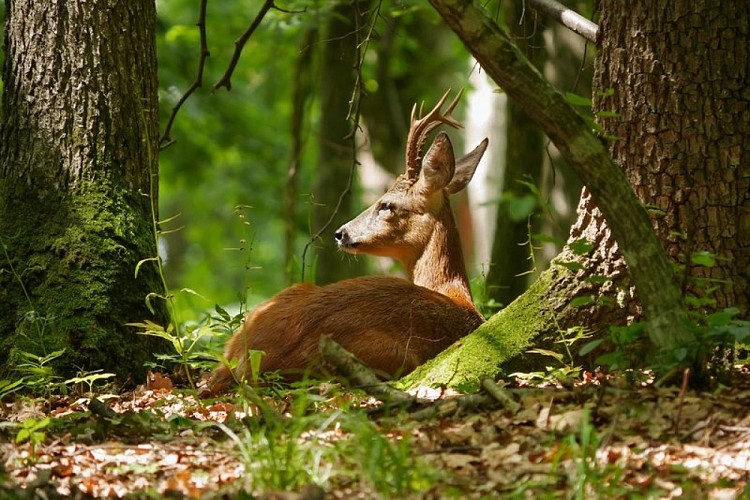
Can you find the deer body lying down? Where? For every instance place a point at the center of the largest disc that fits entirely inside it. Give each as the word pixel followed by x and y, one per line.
pixel 391 324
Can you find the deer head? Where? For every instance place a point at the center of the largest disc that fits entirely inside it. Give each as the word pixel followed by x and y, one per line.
pixel 413 219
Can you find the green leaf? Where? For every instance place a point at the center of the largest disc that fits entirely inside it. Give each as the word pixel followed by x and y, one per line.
pixel 597 279
pixel 255 359
pixel 590 346
pixel 520 207
pixel 221 312
pixel 546 238
pixel 577 100
pixel 141 262
pixel 607 114
pixel 722 318
pixel 680 353
pixel 571 265
pixel 705 259
pixel 580 246
pixel 89 379
pixel 582 301
pixel 190 291
pixel 545 352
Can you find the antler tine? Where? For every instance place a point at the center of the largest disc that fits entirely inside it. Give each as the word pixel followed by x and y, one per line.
pixel 420 128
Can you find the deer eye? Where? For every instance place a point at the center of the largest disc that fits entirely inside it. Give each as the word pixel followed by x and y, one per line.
pixel 385 209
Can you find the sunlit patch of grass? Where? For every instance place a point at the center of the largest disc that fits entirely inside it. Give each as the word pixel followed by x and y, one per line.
pixel 336 448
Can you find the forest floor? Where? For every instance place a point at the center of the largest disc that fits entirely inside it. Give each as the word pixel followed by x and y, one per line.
pixel 596 438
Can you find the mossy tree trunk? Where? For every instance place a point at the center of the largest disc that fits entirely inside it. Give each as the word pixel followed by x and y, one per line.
pixel 78 179
pixel 680 78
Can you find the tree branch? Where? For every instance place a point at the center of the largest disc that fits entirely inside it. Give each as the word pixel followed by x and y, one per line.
pixel 166 139
pixel 567 17
pixel 239 45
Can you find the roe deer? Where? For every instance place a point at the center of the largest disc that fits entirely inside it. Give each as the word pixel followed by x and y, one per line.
pixel 391 324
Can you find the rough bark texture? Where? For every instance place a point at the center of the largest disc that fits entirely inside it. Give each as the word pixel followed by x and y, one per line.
pixel 684 129
pixel 78 148
pixel 680 74
pixel 336 140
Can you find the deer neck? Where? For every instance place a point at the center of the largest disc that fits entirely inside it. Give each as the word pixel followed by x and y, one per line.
pixel 440 266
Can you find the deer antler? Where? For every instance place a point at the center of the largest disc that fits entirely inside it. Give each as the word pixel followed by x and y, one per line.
pixel 420 127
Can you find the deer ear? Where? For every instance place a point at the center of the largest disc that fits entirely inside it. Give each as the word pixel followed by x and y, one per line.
pixel 465 168
pixel 438 165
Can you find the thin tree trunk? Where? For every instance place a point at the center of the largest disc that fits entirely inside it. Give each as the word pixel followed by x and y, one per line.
pixel 337 142
pixel 78 181
pixel 524 158
pixel 300 100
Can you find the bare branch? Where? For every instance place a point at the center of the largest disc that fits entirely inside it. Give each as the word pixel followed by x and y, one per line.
pixel 166 139
pixel 239 45
pixel 567 17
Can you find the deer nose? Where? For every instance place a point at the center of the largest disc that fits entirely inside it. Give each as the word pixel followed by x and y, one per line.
pixel 341 236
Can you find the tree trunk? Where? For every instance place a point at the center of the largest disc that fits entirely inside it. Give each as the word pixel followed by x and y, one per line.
pixel 684 129
pixel 680 79
pixel 508 275
pixel 301 92
pixel 337 143
pixel 78 182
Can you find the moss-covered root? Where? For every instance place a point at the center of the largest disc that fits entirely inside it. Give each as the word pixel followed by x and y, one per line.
pixel 504 336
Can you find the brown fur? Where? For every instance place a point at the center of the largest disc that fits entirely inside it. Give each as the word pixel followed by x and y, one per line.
pixel 389 323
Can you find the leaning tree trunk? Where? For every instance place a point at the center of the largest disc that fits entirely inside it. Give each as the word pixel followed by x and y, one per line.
pixel 78 172
pixel 680 79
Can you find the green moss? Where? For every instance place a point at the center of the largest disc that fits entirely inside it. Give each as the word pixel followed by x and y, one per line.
pixel 72 283
pixel 507 334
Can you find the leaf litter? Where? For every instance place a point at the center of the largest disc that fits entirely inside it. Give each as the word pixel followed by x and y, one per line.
pixel 601 440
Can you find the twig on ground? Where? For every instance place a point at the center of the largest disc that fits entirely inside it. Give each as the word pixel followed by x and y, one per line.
pixel 360 375
pixel 500 394
pixel 683 391
pixel 98 408
pixel 445 407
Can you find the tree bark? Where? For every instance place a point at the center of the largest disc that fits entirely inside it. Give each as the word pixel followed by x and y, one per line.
pixel 78 181
pixel 651 271
pixel 683 130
